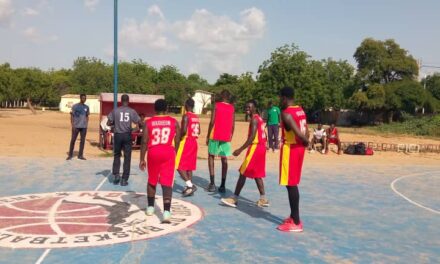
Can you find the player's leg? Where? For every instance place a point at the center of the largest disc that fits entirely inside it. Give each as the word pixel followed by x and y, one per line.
pixel 293 194
pixel 211 187
pixel 263 201
pixel 232 201
pixel 222 187
pixel 73 138
pixel 270 133
pixel 190 188
pixel 324 144
pixel 167 193
pixel 127 145
pixel 83 133
pixel 151 196
pixel 276 135
pixel 117 157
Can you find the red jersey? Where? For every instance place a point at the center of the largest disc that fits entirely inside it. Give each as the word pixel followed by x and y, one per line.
pixel 298 115
pixel 193 126
pixel 161 131
pixel 260 137
pixel 223 122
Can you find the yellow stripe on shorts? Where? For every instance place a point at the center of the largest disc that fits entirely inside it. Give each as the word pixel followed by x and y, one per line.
pixel 180 151
pixel 248 159
pixel 284 177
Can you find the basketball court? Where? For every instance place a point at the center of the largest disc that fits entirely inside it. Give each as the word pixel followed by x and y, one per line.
pixel 53 211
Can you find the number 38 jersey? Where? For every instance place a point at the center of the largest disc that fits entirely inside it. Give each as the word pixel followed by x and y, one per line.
pixel 161 131
pixel 298 115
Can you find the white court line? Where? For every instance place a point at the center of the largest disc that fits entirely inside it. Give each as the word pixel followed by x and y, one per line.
pixel 47 251
pixel 406 198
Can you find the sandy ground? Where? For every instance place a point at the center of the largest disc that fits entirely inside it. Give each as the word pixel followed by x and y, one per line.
pixel 47 134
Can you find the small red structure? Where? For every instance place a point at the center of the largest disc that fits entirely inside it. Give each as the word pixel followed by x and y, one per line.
pixel 142 103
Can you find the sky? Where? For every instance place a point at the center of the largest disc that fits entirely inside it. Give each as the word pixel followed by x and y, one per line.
pixel 210 37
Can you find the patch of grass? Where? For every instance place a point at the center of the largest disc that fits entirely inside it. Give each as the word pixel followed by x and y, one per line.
pixel 425 126
pixel 106 154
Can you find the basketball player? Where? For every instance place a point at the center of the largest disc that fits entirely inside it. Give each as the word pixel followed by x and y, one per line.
pixel 254 165
pixel 220 131
pixel 158 136
pixel 186 159
pixel 295 140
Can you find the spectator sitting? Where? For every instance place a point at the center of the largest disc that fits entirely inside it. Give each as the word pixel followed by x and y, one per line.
pixel 319 136
pixel 333 138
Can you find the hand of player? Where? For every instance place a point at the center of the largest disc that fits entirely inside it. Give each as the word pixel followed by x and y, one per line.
pixel 142 165
pixel 236 152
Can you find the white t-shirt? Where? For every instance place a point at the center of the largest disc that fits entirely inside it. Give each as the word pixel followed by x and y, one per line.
pixel 319 133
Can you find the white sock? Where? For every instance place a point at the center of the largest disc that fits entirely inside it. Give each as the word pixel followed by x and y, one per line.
pixel 189 184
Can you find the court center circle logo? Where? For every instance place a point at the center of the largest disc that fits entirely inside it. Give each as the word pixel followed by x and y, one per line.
pixel 89 218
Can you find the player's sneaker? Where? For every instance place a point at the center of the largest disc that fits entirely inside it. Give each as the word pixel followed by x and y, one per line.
pixel 211 188
pixel 188 191
pixel 150 210
pixel 311 151
pixel 69 158
pixel 323 151
pixel 166 217
pixel 289 226
pixel 231 201
pixel 82 158
pixel 263 203
pixel 221 189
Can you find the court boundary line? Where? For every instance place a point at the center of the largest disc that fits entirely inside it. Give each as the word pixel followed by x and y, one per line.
pixel 47 251
pixel 408 199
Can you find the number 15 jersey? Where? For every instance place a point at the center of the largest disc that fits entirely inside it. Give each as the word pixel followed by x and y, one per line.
pixel 161 131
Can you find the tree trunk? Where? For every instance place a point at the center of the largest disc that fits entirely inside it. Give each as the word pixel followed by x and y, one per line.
pixel 390 115
pixel 29 103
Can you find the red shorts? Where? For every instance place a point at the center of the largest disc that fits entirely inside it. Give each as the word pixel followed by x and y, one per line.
pixel 291 161
pixel 186 158
pixel 160 165
pixel 333 141
pixel 254 165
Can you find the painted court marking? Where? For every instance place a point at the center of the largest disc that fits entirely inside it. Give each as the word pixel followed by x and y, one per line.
pixel 47 251
pixel 408 199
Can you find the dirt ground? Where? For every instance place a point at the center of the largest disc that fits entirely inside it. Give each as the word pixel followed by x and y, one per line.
pixel 47 134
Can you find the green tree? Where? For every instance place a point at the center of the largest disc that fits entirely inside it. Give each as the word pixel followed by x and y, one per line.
pixel 91 76
pixel 8 83
pixel 432 84
pixel 384 62
pixel 33 85
pixel 171 83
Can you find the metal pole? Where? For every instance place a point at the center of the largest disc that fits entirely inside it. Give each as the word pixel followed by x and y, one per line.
pixel 115 56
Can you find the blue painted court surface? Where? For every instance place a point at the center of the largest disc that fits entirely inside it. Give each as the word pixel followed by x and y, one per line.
pixel 350 214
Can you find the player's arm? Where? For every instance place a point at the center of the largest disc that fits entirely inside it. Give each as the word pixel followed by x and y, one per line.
pixel 184 128
pixel 211 124
pixel 177 137
pixel 290 125
pixel 87 115
pixel 71 119
pixel 144 148
pixel 250 139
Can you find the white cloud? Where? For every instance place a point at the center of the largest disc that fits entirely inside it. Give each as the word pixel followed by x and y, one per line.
pixel 148 33
pixel 221 42
pixel 217 43
pixel 6 12
pixel 30 12
pixel 154 10
pixel 91 4
pixel 33 35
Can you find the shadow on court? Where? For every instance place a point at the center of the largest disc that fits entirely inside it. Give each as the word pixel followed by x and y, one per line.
pixel 245 205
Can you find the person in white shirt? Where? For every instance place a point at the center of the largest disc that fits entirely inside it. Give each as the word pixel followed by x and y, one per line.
pixel 319 136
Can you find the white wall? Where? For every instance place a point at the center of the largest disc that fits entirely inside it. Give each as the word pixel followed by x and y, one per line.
pixel 67 103
pixel 200 99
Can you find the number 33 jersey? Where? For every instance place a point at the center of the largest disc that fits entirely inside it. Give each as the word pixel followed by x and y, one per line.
pixel 298 115
pixel 161 131
pixel 186 158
